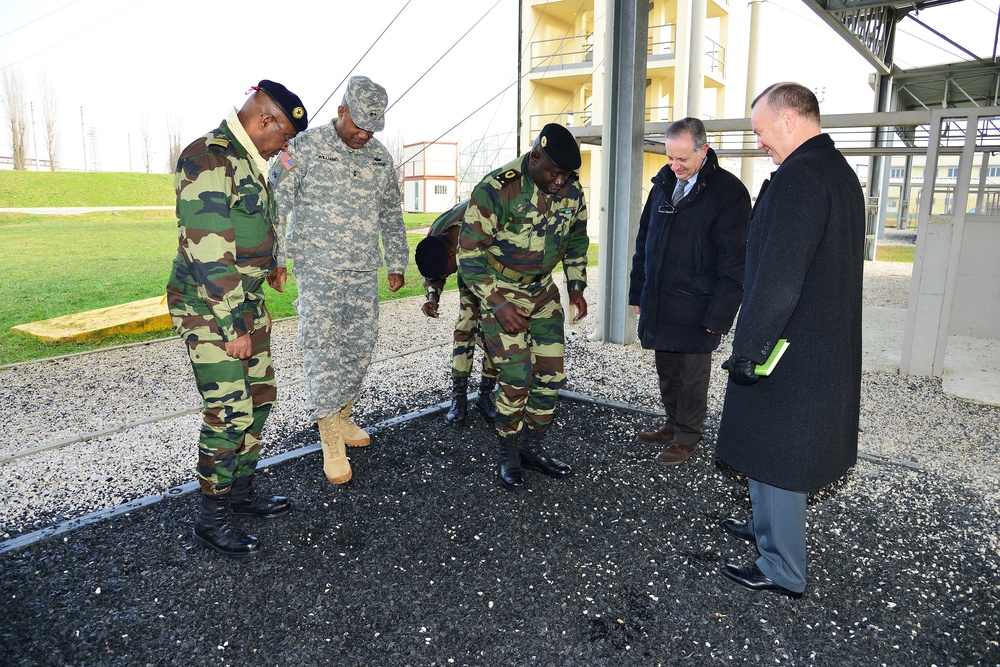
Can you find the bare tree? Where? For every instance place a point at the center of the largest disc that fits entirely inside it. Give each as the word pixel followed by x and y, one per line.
pixel 147 149
pixel 17 114
pixel 50 110
pixel 174 141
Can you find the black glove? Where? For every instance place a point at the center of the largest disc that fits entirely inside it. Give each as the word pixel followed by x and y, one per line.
pixel 741 369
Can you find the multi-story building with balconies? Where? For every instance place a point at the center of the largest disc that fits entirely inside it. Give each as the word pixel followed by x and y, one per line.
pixel 562 71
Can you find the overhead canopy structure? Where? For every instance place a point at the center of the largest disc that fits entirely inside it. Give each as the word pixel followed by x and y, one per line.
pixel 870 27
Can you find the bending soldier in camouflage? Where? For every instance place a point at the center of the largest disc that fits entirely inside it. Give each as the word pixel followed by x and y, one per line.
pixel 523 220
pixel 435 257
pixel 340 188
pixel 225 217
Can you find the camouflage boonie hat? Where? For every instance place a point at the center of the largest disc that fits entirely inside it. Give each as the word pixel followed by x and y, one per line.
pixel 367 101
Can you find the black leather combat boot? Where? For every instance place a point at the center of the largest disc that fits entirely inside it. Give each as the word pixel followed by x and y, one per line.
pixel 459 401
pixel 211 532
pixel 533 456
pixel 245 501
pixel 510 473
pixel 486 403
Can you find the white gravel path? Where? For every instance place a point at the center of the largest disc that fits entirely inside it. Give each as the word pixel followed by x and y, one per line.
pixel 907 420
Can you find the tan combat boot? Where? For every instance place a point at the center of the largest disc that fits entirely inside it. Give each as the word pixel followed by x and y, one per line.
pixel 353 434
pixel 335 464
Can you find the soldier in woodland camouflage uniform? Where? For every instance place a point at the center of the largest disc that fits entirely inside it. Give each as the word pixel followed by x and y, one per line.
pixel 340 188
pixel 226 238
pixel 435 257
pixel 523 220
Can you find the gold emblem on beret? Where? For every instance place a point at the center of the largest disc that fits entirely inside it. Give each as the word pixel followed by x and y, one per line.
pixel 298 112
pixel 545 140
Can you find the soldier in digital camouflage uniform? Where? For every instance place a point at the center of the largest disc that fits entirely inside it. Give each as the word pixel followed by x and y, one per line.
pixel 226 214
pixel 435 256
pixel 523 219
pixel 340 190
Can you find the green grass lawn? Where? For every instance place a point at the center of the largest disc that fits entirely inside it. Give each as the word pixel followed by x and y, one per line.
pixel 895 253
pixel 73 263
pixel 33 189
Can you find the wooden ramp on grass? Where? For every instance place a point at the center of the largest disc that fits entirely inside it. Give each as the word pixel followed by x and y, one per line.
pixel 135 317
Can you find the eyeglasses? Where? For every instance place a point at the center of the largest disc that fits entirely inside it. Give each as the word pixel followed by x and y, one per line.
pixel 666 208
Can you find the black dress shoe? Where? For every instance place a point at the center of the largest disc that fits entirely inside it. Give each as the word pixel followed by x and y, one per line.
pixel 750 576
pixel 266 508
pixel 739 530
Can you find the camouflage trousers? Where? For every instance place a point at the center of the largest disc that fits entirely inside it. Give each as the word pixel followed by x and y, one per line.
pixel 467 334
pixel 338 327
pixel 530 361
pixel 237 397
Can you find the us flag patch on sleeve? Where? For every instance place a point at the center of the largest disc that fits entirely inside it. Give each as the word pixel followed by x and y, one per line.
pixel 286 161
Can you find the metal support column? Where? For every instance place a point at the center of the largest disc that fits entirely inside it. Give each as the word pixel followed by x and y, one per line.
pixel 624 107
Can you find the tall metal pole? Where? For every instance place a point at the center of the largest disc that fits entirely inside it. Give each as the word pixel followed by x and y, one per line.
pixel 624 129
pixel 83 133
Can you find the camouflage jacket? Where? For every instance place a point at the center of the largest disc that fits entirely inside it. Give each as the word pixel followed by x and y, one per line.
pixel 341 200
pixel 225 216
pixel 441 225
pixel 525 230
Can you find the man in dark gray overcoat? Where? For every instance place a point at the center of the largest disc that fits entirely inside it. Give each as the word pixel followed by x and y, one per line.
pixel 795 430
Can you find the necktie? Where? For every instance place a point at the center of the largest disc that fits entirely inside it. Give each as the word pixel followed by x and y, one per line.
pixel 678 191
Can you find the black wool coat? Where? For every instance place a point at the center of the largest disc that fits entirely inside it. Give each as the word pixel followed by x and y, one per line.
pixel 687 271
pixel 797 429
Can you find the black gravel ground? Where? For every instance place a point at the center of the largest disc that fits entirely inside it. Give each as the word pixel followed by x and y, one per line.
pixel 422 560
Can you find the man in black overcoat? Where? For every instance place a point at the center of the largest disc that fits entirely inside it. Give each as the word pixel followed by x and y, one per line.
pixel 795 430
pixel 687 279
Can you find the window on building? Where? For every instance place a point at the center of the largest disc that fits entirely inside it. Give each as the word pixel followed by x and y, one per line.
pixel 952 172
pixel 994 172
pixel 896 173
pixel 440 190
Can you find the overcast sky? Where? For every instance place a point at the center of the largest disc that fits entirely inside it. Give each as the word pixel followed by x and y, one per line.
pixel 131 64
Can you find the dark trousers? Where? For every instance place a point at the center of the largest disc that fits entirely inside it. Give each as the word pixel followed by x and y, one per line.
pixel 684 391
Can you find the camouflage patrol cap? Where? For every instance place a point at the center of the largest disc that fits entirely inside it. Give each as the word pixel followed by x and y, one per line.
pixel 287 101
pixel 432 257
pixel 559 145
pixel 367 101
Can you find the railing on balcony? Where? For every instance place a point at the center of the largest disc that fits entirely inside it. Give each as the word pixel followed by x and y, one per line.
pixel 568 118
pixel 662 40
pixel 581 118
pixel 716 57
pixel 576 50
pixel 573 50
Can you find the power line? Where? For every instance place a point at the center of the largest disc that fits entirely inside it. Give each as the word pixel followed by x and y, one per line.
pixel 39 18
pixel 55 44
pixel 444 54
pixel 315 113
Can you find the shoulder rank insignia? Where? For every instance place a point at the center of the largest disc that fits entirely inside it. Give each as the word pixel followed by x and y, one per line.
pixel 508 177
pixel 221 142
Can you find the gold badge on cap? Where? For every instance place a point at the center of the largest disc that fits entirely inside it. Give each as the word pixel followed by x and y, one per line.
pixel 298 112
pixel 545 140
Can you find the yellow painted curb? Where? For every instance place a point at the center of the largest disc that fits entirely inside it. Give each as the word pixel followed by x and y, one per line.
pixel 135 317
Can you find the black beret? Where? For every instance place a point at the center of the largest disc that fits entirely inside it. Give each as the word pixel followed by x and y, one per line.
pixel 559 146
pixel 288 102
pixel 432 257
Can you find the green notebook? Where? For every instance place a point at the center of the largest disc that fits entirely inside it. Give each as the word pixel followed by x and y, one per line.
pixel 768 366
